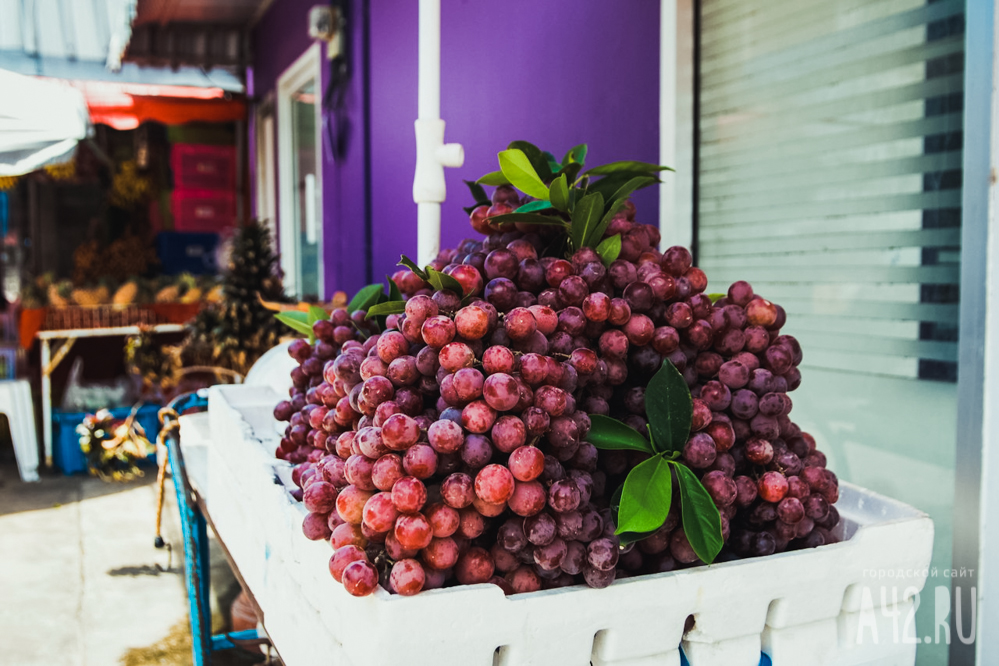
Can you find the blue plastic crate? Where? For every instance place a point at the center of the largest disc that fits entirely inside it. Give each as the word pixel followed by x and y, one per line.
pixel 66 442
pixel 8 362
pixel 184 252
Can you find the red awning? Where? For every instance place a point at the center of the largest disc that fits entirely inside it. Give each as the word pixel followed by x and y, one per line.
pixel 125 106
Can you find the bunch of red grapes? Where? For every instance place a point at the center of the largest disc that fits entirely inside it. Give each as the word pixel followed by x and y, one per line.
pixel 451 447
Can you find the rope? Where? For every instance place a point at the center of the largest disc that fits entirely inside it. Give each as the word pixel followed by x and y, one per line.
pixel 170 421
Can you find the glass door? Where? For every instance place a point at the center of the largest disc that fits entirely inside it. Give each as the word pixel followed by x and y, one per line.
pixel 300 200
pixel 306 224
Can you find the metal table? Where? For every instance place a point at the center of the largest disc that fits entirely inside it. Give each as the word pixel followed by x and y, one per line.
pixel 50 362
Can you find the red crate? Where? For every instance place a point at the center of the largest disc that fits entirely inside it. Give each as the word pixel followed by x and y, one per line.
pixel 206 211
pixel 198 167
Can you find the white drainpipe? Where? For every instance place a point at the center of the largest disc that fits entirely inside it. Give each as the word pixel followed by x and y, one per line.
pixel 432 154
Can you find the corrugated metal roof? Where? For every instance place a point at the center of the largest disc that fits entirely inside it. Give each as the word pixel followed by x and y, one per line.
pixel 78 39
pixel 69 29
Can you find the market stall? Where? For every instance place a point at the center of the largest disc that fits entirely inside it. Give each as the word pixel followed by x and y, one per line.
pixel 547 446
pixel 118 201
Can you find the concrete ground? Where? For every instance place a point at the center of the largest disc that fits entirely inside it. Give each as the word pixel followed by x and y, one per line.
pixel 80 581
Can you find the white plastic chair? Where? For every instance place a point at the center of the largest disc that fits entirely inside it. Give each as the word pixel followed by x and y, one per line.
pixel 16 404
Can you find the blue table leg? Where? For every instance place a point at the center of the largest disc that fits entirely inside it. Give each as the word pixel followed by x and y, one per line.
pixel 195 534
pixel 225 641
pixel 197 562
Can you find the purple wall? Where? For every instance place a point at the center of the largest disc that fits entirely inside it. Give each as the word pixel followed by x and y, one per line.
pixel 557 73
pixel 279 38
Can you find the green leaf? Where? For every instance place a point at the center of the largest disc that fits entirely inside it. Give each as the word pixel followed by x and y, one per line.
pixel 386 308
pixel 716 297
pixel 598 232
pixel 571 171
pixel 532 206
pixel 493 178
pixel 609 249
pixel 625 538
pixel 669 409
pixel 529 218
pixel 316 313
pixel 701 519
pixel 411 265
pixel 365 298
pixel 478 193
pixel 645 497
pixel 608 185
pixel 585 218
pixel 610 434
pixel 394 293
pixel 633 184
pixel 443 281
pixel 576 155
pixel 521 174
pixel 297 321
pixel 627 165
pixel 536 157
pixel 553 164
pixel 558 193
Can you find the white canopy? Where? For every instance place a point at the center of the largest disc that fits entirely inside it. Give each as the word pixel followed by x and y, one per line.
pixel 41 121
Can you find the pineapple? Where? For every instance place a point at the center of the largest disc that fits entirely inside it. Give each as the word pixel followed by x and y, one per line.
pixel 192 295
pixel 85 297
pixel 215 294
pixel 189 290
pixel 102 294
pixel 168 294
pixel 126 293
pixel 59 293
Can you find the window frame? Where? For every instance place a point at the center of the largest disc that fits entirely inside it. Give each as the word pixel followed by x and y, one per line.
pixel 265 131
pixel 976 501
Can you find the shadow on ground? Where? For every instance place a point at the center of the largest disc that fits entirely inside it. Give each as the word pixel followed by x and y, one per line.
pixel 54 489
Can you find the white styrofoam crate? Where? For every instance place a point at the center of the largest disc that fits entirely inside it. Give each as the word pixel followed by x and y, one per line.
pixel 801 608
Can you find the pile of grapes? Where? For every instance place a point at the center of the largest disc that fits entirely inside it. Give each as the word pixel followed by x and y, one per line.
pixel 449 445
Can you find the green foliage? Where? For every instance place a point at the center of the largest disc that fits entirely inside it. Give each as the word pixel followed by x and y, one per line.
pixel 386 308
pixel 583 204
pixel 298 322
pixel 644 500
pixel 611 434
pixel 558 193
pixel 365 298
pixel 444 281
pixel 533 206
pixel 519 171
pixel 701 519
pixel 669 408
pixel 645 496
pixel 609 249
